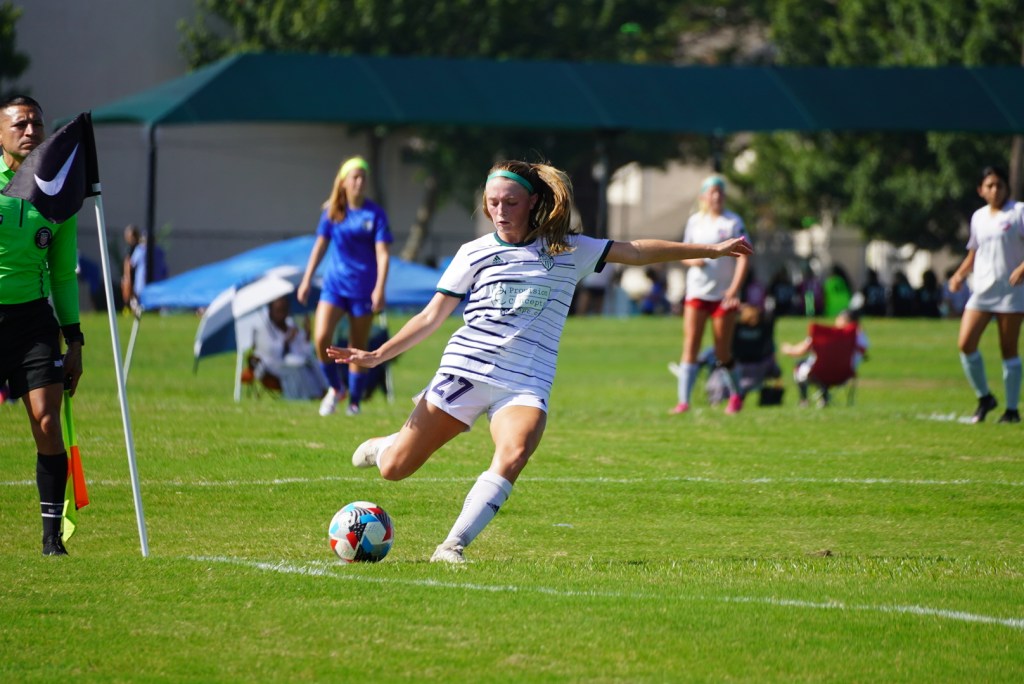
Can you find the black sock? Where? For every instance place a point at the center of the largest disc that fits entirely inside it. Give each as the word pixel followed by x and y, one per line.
pixel 52 479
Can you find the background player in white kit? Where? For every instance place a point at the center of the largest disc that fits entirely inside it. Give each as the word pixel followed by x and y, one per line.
pixel 518 284
pixel 995 253
pixel 712 291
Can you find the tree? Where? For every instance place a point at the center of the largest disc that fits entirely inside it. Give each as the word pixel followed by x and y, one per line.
pixel 12 62
pixel 633 31
pixel 916 188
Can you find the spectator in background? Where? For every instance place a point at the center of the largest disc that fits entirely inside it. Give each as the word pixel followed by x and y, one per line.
pixel 876 299
pixel 810 293
pixel 590 295
pixel 135 276
pixel 753 292
pixel 837 291
pixel 929 296
pixel 902 297
pixel 656 301
pixel 782 293
pixel 282 356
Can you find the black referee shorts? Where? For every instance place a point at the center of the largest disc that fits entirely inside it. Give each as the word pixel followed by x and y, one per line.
pixel 30 354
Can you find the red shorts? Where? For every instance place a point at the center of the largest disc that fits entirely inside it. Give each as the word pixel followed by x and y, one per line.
pixel 714 308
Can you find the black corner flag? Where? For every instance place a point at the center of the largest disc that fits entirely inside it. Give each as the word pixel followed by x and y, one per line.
pixel 57 176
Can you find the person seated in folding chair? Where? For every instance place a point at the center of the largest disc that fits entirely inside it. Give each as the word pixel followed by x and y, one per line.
pixel 830 355
pixel 282 357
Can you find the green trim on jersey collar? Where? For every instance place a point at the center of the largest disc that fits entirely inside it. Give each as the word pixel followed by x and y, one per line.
pixel 512 244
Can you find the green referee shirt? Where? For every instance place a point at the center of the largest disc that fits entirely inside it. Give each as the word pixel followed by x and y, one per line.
pixel 37 258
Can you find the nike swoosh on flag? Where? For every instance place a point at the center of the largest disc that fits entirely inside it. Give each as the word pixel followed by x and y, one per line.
pixel 52 187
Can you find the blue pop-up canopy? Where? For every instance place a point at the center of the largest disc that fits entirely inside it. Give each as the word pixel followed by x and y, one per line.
pixel 409 285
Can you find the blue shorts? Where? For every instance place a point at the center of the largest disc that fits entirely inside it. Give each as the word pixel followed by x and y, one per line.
pixel 356 307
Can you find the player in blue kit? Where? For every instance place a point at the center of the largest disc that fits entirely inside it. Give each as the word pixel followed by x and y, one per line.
pixel 355 230
pixel 518 284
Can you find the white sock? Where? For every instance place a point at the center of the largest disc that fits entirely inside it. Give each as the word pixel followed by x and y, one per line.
pixel 974 369
pixel 1011 381
pixel 687 379
pixel 488 494
pixel 385 443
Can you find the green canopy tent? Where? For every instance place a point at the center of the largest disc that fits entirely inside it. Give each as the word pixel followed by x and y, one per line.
pixel 604 98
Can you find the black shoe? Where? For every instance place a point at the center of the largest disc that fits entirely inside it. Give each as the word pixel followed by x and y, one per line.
pixel 53 545
pixel 1010 416
pixel 985 404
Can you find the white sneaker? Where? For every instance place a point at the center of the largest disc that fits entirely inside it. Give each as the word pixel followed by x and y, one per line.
pixel 329 404
pixel 365 454
pixel 446 553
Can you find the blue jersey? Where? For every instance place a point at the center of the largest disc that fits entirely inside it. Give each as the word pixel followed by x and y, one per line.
pixel 351 269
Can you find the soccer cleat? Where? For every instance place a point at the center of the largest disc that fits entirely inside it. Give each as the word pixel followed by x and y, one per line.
pixel 365 454
pixel 1010 416
pixel 448 553
pixel 352 410
pixel 53 545
pixel 329 404
pixel 734 405
pixel 985 404
pixel 681 407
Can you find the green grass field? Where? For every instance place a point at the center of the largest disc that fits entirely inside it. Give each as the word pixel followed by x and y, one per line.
pixel 878 542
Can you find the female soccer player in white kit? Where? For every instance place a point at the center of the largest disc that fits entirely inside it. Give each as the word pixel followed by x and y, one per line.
pixel 518 284
pixel 712 291
pixel 995 253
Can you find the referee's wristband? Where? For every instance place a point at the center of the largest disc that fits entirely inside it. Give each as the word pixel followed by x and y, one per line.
pixel 73 333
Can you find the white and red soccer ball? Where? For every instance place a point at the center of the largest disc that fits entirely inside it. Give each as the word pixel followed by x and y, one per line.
pixel 361 532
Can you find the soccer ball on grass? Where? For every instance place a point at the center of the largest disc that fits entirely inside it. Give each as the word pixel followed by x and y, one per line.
pixel 361 532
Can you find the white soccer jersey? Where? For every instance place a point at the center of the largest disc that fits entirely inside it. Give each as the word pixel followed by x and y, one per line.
pixel 710 281
pixel 517 300
pixel 999 243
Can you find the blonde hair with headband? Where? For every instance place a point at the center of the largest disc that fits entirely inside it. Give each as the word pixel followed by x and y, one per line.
pixel 714 181
pixel 337 203
pixel 550 219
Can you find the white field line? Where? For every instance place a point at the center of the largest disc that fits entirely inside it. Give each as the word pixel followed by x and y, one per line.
pixel 866 481
pixel 335 571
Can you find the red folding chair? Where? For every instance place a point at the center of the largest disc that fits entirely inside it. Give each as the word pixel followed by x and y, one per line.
pixel 833 363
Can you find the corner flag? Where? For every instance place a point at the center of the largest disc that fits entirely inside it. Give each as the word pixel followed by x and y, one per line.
pixel 57 176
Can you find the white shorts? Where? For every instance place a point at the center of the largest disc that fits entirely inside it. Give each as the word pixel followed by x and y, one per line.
pixel 466 400
pixel 1000 298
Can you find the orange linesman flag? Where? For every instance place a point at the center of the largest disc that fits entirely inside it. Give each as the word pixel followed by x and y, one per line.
pixel 75 494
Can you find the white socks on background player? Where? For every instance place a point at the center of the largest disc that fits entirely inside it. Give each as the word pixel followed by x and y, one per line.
pixel 1011 381
pixel 687 379
pixel 484 500
pixel 974 369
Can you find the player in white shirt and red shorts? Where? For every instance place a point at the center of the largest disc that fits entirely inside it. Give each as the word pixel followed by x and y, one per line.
pixel 712 291
pixel 995 254
pixel 518 283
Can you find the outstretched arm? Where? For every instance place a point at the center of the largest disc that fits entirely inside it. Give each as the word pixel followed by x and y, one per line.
pixel 644 252
pixel 319 247
pixel 956 280
pixel 417 329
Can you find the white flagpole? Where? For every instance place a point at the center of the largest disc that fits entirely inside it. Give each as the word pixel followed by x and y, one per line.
pixel 101 226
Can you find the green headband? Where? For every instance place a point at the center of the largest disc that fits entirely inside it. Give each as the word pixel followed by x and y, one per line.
pixel 353 163
pixel 513 176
